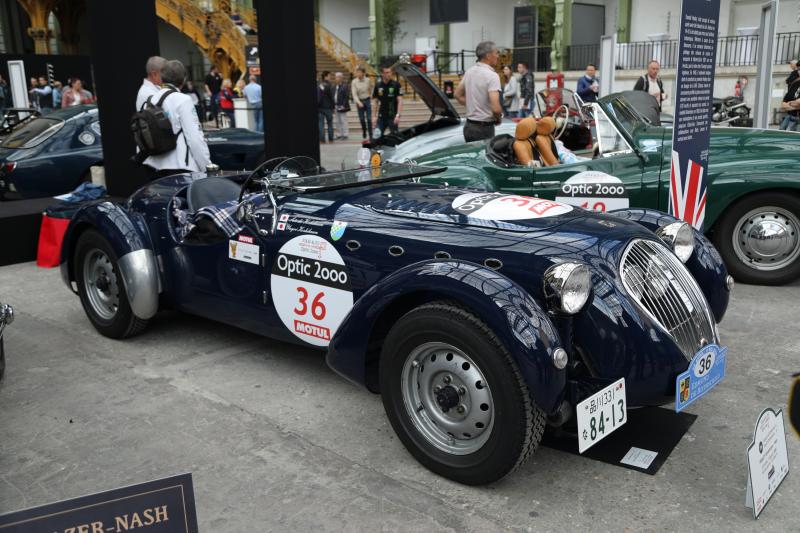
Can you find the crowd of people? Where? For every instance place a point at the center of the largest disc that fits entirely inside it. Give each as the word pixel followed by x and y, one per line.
pixel 220 93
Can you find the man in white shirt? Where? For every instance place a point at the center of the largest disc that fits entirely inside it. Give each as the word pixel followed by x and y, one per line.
pixel 651 83
pixel 191 151
pixel 480 91
pixel 152 83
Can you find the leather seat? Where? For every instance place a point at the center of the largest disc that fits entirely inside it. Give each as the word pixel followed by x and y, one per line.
pixel 545 143
pixel 210 191
pixel 523 145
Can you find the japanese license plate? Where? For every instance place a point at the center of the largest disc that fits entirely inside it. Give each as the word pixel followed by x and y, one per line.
pixel 601 414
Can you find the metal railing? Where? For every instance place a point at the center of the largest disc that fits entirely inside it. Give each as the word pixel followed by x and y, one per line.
pixel 580 55
pixel 537 57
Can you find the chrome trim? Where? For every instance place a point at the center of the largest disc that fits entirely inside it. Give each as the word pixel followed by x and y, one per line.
pixel 729 283
pixel 140 277
pixel 666 292
pixel 555 280
pixel 546 183
pixel 669 234
pixel 6 317
pixel 396 250
pixel 560 358
pixel 493 263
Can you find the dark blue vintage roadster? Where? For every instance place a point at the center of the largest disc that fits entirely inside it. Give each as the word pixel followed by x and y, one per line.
pixel 479 317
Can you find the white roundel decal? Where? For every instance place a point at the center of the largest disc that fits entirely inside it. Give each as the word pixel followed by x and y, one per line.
pixel 311 288
pixel 497 206
pixel 594 190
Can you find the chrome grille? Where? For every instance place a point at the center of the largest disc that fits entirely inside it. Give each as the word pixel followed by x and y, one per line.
pixel 665 290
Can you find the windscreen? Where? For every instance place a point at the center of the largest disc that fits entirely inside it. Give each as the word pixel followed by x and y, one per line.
pixel 350 178
pixel 34 132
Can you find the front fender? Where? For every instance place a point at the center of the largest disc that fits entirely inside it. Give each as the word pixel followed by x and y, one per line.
pixel 705 264
pixel 127 236
pixel 512 314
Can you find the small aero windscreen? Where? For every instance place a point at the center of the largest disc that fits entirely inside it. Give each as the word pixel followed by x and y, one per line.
pixel 330 181
pixel 33 133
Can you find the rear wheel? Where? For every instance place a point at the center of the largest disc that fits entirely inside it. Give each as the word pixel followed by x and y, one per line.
pixel 455 397
pixel 101 288
pixel 759 239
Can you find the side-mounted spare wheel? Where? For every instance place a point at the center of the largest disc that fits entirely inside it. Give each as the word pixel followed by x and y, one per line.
pixel 455 397
pixel 101 288
pixel 759 238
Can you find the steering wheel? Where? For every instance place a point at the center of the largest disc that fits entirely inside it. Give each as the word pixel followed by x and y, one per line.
pixel 260 171
pixel 562 110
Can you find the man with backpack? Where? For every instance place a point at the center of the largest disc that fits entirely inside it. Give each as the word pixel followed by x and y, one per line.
pixel 152 83
pixel 167 129
pixel 651 83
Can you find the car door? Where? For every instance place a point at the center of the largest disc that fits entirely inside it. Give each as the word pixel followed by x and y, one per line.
pixel 572 183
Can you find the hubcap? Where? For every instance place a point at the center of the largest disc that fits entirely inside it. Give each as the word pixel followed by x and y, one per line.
pixel 767 238
pixel 101 284
pixel 447 398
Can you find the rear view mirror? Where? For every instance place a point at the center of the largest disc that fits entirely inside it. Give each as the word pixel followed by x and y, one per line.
pixel 794 405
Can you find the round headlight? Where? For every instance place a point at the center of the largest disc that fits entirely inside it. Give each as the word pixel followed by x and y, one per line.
pixel 567 287
pixel 680 237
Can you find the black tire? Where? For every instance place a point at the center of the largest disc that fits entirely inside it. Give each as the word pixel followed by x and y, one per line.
pixel 116 321
pixel 517 423
pixel 759 270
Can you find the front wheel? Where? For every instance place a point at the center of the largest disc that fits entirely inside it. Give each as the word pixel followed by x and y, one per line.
pixel 455 397
pixel 101 288
pixel 759 238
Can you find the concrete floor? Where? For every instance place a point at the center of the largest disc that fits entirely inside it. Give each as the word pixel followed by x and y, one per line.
pixel 276 441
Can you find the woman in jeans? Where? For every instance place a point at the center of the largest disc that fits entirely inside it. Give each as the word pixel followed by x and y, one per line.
pixel 361 88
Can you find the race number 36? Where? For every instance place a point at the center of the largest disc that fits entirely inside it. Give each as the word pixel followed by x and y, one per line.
pixel 311 288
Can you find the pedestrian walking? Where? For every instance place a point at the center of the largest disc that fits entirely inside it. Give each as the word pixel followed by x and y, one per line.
pixel 226 96
pixel 362 91
pixel 151 84
pixel 252 91
pixel 213 87
pixel 325 106
pixel 479 90
pixel 76 94
pixel 526 90
pixel 44 96
pixel 191 151
pixel 388 95
pixel 651 83
pixel 511 93
pixel 341 98
pixel 588 86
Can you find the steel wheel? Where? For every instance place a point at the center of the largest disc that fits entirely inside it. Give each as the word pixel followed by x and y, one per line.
pixel 447 398
pixel 767 238
pixel 100 281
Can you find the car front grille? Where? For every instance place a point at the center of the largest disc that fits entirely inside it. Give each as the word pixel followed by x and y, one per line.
pixel 664 289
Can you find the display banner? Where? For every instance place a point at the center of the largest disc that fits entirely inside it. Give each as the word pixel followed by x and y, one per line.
pixel 694 96
pixel 161 506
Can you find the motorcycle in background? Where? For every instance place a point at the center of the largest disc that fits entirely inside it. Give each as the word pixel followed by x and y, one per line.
pixel 732 110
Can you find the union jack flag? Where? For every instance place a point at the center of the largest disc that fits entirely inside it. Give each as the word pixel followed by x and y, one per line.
pixel 687 192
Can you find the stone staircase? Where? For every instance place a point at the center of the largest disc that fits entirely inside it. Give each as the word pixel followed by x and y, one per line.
pixel 414 112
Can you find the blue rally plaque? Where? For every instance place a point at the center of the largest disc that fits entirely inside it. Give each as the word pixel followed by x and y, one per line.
pixel 705 371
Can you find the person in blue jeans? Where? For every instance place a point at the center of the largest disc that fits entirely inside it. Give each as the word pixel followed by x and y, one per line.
pixel 791 105
pixel 325 105
pixel 252 91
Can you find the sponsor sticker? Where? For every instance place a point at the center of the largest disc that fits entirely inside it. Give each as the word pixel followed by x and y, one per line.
pixel 337 229
pixel 243 251
pixel 246 238
pixel 594 190
pixel 497 206
pixel 311 288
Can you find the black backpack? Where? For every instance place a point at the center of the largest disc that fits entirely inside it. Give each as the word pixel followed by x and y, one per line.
pixel 152 130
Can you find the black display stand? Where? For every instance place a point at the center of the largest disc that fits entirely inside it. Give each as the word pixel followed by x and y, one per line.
pixel 19 226
pixel 650 428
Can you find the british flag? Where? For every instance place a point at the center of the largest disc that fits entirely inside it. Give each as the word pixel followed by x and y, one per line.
pixel 687 192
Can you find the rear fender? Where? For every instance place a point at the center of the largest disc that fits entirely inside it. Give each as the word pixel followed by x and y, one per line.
pixel 512 314
pixel 127 236
pixel 705 264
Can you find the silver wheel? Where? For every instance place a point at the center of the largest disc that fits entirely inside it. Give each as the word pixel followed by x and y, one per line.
pixel 102 287
pixel 767 238
pixel 447 398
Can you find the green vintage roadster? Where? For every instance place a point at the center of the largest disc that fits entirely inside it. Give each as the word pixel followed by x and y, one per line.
pixel 622 159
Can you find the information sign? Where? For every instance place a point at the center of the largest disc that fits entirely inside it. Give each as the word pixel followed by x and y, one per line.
pixel 767 460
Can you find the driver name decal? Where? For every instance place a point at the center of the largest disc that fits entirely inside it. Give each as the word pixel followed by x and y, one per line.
pixel 311 288
pixel 497 206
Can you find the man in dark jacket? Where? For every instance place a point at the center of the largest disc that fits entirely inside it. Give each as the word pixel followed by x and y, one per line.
pixel 588 86
pixel 325 105
pixel 525 89
pixel 793 74
pixel 651 83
